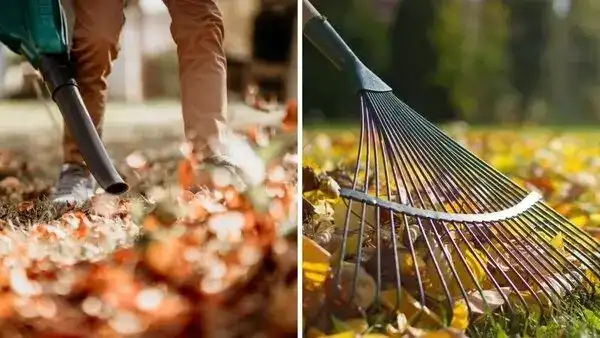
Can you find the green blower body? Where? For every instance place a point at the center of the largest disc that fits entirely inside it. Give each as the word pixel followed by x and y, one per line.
pixel 36 30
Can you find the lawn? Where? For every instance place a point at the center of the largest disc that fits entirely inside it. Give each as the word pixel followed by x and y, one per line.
pixel 562 164
pixel 158 262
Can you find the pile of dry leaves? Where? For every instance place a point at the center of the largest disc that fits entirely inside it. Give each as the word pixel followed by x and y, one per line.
pixel 161 262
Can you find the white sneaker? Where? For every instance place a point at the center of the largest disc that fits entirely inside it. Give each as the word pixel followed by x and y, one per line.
pixel 75 185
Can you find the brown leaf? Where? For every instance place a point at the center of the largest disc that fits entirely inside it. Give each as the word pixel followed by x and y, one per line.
pixel 25 206
pixel 309 179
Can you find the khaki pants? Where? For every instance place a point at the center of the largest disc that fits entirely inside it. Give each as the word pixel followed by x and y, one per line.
pixel 197 29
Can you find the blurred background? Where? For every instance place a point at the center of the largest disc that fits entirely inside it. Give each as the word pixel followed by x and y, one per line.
pixel 260 45
pixel 478 61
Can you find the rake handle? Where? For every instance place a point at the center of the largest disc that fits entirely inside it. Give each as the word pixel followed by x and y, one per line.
pixel 308 12
pixel 324 37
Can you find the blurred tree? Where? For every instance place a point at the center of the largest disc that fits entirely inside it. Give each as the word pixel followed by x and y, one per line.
pixel 471 38
pixel 415 60
pixel 558 54
pixel 586 41
pixel 527 42
pixel 324 88
pixel 574 57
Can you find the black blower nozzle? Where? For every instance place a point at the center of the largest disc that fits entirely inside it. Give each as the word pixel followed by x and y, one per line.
pixel 58 75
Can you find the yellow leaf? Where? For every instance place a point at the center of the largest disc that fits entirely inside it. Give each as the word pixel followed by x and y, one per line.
pixel 444 333
pixel 504 162
pixel 563 208
pixel 579 220
pixel 357 325
pixel 531 302
pixel 573 166
pixel 374 335
pixel 460 318
pixel 471 258
pixel 310 162
pixel 409 306
pixel 351 246
pixel 558 242
pixel 315 263
pixel 347 334
pixel 438 334
pixel 594 279
pixel 595 218
pixel 315 333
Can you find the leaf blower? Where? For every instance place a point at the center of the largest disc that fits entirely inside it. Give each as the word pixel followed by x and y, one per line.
pixel 36 30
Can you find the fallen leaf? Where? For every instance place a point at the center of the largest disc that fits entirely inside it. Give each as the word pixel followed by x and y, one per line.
pixel 25 206
pixel 460 318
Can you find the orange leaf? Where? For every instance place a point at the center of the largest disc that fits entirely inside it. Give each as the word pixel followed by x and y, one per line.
pixel 25 206
pixel 151 223
pixel 233 198
pixel 290 122
pixel 163 256
pixel 185 174
pixel 6 305
pixel 124 256
pixel 252 134
pixel 564 209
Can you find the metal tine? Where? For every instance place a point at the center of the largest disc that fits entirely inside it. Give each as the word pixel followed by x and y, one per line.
pixel 451 177
pixel 394 157
pixel 567 230
pixel 337 275
pixel 395 148
pixel 361 234
pixel 527 216
pixel 563 266
pixel 359 248
pixel 430 170
pixel 438 237
pixel 525 246
pixel 462 258
pixel 502 272
pixel 413 254
pixel 397 275
pixel 582 235
pixel 377 215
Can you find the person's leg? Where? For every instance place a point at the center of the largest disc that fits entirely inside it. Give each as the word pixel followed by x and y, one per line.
pixel 96 33
pixel 97 27
pixel 197 29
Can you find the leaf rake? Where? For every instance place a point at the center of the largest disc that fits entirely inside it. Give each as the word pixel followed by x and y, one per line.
pixel 445 228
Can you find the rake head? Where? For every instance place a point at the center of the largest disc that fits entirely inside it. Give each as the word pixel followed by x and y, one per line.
pixel 430 228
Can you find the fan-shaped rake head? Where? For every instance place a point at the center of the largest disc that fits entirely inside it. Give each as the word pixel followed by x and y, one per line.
pixel 428 218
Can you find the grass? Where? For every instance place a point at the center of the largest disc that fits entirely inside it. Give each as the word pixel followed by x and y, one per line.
pixel 580 318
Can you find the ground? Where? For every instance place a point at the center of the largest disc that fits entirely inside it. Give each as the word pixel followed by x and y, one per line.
pixel 159 261
pixel 560 163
